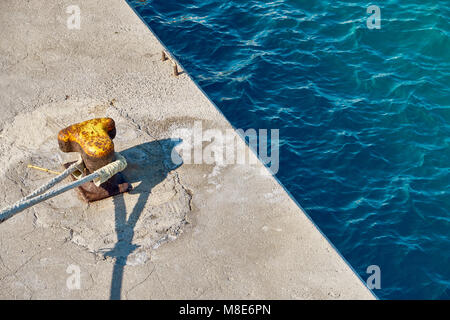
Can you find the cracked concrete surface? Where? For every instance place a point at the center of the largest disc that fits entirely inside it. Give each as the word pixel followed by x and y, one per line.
pixel 158 201
pixel 189 231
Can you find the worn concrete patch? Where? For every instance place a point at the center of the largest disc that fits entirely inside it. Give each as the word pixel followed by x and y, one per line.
pixel 125 228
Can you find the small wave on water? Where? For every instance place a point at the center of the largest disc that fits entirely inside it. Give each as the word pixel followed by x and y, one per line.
pixel 363 116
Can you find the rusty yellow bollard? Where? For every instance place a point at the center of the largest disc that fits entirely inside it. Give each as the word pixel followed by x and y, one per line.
pixel 93 140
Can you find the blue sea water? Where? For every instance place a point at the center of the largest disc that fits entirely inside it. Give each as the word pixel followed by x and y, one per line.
pixel 364 116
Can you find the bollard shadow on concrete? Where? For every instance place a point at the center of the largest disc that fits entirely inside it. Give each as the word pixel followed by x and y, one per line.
pixel 148 165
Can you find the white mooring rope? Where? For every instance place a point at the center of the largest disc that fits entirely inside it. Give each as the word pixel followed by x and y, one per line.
pixel 100 176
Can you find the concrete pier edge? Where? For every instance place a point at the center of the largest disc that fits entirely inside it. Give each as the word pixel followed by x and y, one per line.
pixel 199 232
pixel 253 151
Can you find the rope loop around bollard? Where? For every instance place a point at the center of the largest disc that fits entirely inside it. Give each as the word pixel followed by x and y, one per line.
pixel 100 176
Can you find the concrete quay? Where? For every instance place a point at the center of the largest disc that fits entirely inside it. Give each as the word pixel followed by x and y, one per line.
pixel 189 231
